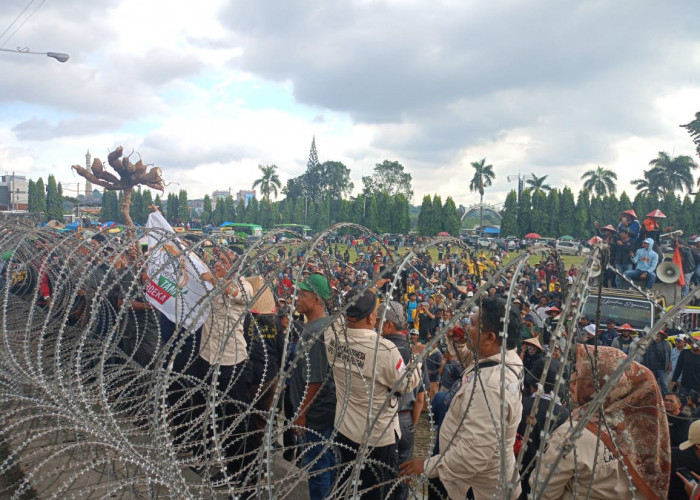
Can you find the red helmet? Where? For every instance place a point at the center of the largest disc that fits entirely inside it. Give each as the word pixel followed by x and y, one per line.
pixel 656 213
pixel 630 212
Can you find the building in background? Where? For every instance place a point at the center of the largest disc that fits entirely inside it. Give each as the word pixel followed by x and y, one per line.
pixel 88 184
pixel 13 192
pixel 244 196
pixel 219 195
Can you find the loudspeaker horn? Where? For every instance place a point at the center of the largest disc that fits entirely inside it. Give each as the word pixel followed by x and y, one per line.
pixel 668 272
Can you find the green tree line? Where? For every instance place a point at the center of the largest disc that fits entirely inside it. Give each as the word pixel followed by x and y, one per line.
pixel 557 213
pixel 46 199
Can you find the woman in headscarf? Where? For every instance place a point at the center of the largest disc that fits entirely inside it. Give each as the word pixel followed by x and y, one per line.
pixel 634 449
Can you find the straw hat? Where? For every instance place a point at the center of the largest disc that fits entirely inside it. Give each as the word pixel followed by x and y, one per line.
pixel 533 341
pixel 265 304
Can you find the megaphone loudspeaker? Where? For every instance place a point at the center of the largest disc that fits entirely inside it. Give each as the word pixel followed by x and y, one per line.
pixel 668 272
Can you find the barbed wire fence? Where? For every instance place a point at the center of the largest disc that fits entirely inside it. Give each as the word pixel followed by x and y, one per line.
pixel 102 397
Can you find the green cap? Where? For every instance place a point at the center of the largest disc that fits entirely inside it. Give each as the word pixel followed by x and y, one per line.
pixel 317 284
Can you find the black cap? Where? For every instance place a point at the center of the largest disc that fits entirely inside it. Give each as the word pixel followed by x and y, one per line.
pixel 362 304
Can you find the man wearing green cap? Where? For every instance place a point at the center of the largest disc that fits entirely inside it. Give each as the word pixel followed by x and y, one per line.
pixel 311 388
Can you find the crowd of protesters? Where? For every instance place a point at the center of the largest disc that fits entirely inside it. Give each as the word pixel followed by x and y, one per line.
pixel 358 383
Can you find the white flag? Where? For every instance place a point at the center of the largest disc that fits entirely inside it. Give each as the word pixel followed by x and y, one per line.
pixel 176 288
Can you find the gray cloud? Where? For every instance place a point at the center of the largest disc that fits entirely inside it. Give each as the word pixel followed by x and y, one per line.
pixel 39 129
pixel 178 153
pixel 463 75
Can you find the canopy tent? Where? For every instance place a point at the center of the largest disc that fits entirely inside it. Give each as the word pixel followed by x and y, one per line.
pixel 444 233
pixel 566 237
pixel 532 236
pixel 492 230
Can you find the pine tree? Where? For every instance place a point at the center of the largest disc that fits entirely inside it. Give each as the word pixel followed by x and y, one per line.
pixel 567 208
pixel 136 210
pixel 509 221
pixel 525 215
pixel 219 213
pixel 40 196
pixel 581 222
pixel 251 212
pixel 31 196
pixel 596 212
pixel 54 204
pixel 553 228
pixel 173 208
pixel 229 210
pixel 206 211
pixel 110 206
pixel 450 217
pixel 670 206
pixel 183 207
pixel 625 204
pixel 147 201
pixel 686 218
pixel 436 216
pixel 372 214
pixel 312 162
pixel 424 223
pixel 540 216
pixel 158 203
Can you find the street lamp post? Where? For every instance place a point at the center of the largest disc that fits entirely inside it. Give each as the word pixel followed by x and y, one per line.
pixel 59 56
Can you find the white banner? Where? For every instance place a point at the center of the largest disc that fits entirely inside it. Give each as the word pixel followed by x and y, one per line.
pixel 176 288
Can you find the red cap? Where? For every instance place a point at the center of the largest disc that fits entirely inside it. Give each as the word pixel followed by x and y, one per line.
pixel 627 327
pixel 553 309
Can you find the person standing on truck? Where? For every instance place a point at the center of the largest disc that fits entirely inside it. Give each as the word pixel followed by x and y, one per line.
pixel 621 254
pixel 630 225
pixel 650 228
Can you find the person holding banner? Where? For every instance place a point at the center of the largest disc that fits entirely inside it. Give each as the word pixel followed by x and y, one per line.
pixel 223 359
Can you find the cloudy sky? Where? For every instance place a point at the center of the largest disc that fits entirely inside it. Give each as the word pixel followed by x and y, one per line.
pixel 208 90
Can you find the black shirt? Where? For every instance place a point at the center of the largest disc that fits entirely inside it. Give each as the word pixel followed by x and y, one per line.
pixel 310 365
pixel 689 365
pixel 678 428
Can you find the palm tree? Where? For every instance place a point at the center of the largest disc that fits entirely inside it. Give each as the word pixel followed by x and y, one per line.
pixel 483 177
pixel 674 174
pixel 601 181
pixel 269 182
pixel 537 183
pixel 649 185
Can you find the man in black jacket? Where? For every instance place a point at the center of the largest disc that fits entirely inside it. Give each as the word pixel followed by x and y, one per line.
pixel 688 365
pixel 658 360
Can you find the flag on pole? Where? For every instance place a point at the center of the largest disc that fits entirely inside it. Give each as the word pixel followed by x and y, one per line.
pixel 677 260
pixel 176 287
